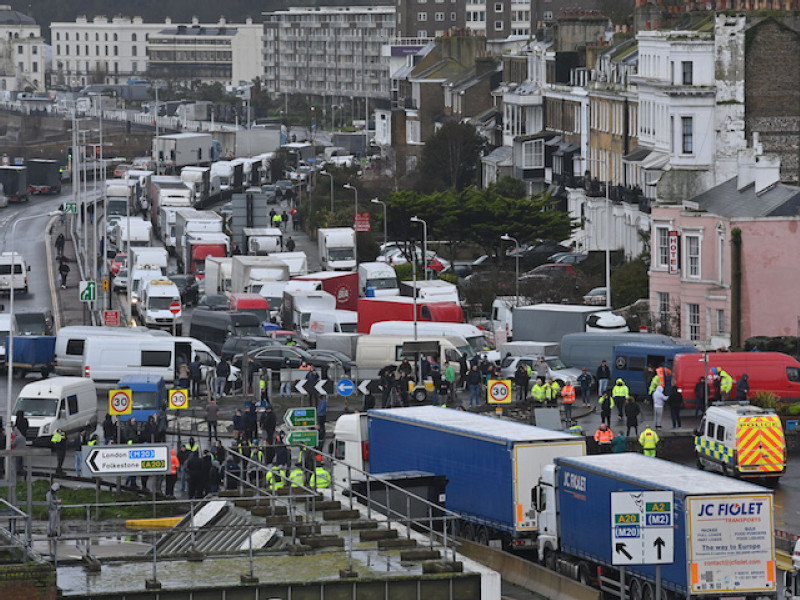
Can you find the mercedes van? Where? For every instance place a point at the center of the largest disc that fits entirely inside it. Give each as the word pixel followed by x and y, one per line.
pixel 71 344
pixel 69 403
pixel 13 272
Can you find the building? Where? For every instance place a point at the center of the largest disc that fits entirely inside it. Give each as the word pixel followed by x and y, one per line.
pixel 329 52
pixel 22 64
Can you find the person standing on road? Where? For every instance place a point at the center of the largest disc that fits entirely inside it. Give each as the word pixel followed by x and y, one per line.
pixel 450 380
pixel 223 369
pixel 603 375
pixel 648 441
pixel 109 430
pixel 172 478
pixel 620 394
pixel 568 399
pixel 211 416
pixel 63 270
pixel 22 421
pixel 541 368
pixel 290 245
pixel 195 375
pixel 700 396
pixel 54 512
pixel 474 379
pixel 60 242
pixel 585 383
pixel 521 380
pixel 603 437
pixel 322 418
pixel 659 399
pixel 268 422
pixel 59 443
pixel 742 389
pixel 675 403
pixel 81 441
pixel 606 406
pixel 725 384
pixel 631 410
pixel 551 392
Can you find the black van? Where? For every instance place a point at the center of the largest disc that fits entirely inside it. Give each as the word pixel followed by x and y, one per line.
pixel 213 327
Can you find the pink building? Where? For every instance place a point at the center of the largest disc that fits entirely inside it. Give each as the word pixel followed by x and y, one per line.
pixel 690 273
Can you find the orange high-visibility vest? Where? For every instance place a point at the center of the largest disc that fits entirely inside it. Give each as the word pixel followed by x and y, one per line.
pixel 568 394
pixel 603 437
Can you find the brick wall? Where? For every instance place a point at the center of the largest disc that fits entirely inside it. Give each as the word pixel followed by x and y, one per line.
pixel 28 582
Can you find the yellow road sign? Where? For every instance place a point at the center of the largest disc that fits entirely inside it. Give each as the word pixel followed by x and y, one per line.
pixel 178 399
pixel 119 402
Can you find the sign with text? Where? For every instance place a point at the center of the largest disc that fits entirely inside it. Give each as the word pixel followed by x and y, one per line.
pixel 674 252
pixel 498 391
pixel 111 318
pixel 131 459
pixel 300 417
pixel 119 402
pixel 178 399
pixel 642 528
pixel 362 223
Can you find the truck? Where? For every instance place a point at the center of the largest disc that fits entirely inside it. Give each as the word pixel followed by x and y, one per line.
pixel 177 150
pixel 342 286
pixel 167 190
pixel 296 261
pixel 197 247
pixel 401 308
pixel 204 187
pixel 222 171
pixel 170 201
pixel 712 535
pixel 44 176
pixel 297 306
pixel 493 496
pixel 260 241
pixel 121 199
pixel 551 322
pixel 33 353
pixel 337 248
pixel 249 272
pixel 14 180
pixel 131 231
pixel 273 292
pixel 218 275
pixel 377 279
pixel 149 257
pixel 192 221
pixel 434 290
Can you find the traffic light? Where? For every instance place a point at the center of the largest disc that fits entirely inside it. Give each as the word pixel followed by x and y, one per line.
pixel 69 151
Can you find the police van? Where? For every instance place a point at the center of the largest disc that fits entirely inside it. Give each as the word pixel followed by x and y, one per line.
pixel 743 441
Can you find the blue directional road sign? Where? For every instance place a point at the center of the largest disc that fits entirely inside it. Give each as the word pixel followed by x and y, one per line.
pixel 345 387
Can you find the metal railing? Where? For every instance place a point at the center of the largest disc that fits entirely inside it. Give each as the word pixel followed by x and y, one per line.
pixel 14 538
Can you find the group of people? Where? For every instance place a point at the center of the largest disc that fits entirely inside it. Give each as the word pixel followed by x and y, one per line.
pixel 397 383
pixel 608 442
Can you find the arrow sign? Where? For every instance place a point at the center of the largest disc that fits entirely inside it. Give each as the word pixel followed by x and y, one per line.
pixel 132 459
pixel 300 417
pixel 345 387
pixel 364 388
pixel 323 387
pixel 308 437
pixel 301 386
pixel 659 544
pixel 620 549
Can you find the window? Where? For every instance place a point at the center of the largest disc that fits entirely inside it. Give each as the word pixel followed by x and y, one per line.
pixel 711 429
pixel 686 72
pixel 692 256
pixel 58 35
pixel 72 404
pixel 19 50
pixel 793 374
pixel 662 239
pixel 439 16
pixel 498 7
pixel 694 321
pixel 721 433
pixel 663 310
pixel 452 16
pixel 687 144
pixel 133 51
pixel 134 67
pixel 75 347
pixel 720 320
pixel 115 37
pixel 35 67
pixel 533 154
pixel 133 37
pixel 498 26
pixel 156 358
pixel 421 16
pixel 547 15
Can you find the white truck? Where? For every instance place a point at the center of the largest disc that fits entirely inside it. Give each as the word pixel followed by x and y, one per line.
pixel 204 185
pixel 260 241
pixel 249 272
pixel 435 290
pixel 177 150
pixel 192 221
pixel 198 247
pixel 297 262
pixel 337 248
pixel 169 204
pixel 273 292
pixel 121 200
pixel 377 279
pixel 130 232
pixel 149 257
pixel 223 171
pixel 155 302
pixel 218 274
pixel 298 305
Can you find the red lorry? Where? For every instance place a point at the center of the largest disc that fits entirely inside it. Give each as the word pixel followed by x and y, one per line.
pixel 401 308
pixel 342 285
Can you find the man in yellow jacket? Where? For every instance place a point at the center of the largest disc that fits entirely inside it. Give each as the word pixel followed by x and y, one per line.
pixel 620 393
pixel 648 440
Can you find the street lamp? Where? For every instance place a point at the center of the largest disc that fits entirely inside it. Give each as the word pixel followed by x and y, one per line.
pixel 12 328
pixel 507 238
pixel 416 219
pixel 376 201
pixel 331 176
pixel 347 186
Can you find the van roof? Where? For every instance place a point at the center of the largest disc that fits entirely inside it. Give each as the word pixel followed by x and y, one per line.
pixel 53 384
pixel 739 410
pixel 137 382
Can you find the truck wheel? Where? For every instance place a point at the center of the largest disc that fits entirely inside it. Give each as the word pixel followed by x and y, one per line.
pixel 45 372
pixel 647 592
pixel 584 574
pixel 700 464
pixel 636 589
pixel 550 559
pixel 482 535
pixel 420 394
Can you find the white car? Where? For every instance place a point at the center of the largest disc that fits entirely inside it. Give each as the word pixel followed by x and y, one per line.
pixel 120 282
pixel 396 256
pixel 556 369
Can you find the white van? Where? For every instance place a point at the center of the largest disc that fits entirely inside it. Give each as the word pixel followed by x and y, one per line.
pixel 66 402
pixel 154 308
pixel 138 279
pixel 476 338
pixel 377 279
pixel 108 359
pixel 329 321
pixel 71 344
pixel 373 352
pixel 19 279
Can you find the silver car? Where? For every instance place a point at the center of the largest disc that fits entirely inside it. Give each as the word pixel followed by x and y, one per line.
pixel 556 369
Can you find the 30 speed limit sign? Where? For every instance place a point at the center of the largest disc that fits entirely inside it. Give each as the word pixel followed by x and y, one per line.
pixel 119 402
pixel 499 391
pixel 178 399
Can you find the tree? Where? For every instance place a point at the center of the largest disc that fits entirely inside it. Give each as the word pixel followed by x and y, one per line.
pixel 629 283
pixel 450 157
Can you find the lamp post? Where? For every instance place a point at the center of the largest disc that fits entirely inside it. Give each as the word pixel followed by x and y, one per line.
pixel 347 186
pixel 331 176
pixel 12 328
pixel 416 219
pixel 376 201
pixel 507 238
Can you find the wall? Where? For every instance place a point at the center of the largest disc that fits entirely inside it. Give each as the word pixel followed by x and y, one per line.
pixel 33 581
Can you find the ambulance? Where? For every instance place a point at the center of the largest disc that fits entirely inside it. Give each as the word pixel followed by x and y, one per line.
pixel 742 441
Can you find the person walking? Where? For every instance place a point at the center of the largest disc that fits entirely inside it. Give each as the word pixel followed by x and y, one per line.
pixel 221 372
pixel 603 438
pixel 603 375
pixel 521 380
pixel 585 383
pixel 632 410
pixel 619 393
pixel 742 389
pixel 450 380
pixel 284 220
pixel 172 477
pixel 568 399
pixel 290 244
pixel 63 270
pixel 659 400
pixel 195 376
pixel 474 379
pixel 60 242
pixel 675 403
pixel 648 441
pixel 606 406
pixel 211 415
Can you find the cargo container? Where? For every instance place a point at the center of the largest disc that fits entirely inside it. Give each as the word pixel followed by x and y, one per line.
pixel 342 286
pixel 44 176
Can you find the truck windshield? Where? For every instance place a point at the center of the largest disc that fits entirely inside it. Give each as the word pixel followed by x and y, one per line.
pixel 116 207
pixel 144 400
pixel 340 254
pixel 261 313
pixel 161 302
pixel 348 327
pixel 37 407
pixel 386 283
pixel 30 324
pixel 242 330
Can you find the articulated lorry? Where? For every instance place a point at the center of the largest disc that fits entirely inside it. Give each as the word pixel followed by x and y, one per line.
pixel 44 176
pixel 551 322
pixel 712 535
pixel 337 248
pixel 176 150
pixel 121 199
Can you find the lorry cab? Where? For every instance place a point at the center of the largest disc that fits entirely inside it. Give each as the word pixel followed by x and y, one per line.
pixel 351 446
pixel 329 321
pixel 742 441
pixel 148 395
pixel 377 279
pixel 69 403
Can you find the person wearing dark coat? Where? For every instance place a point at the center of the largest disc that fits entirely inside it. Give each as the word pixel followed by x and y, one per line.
pixel 195 376
pixel 196 471
pixel 281 452
pixel 742 388
pixel 521 380
pixel 632 411
pixel 675 403
pixel 269 421
pixel 250 422
pixel 701 393
pixel 22 423
pixel 109 430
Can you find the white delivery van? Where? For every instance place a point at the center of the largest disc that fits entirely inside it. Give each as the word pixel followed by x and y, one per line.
pixel 108 359
pixel 13 272
pixel 377 279
pixel 154 310
pixel 138 279
pixel 434 290
pixel 477 338
pixel 69 403
pixel 373 352
pixel 329 321
pixel 71 344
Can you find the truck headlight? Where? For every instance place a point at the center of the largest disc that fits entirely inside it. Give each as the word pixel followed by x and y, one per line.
pixel 45 429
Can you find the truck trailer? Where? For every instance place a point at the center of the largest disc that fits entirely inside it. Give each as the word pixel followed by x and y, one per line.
pixel 342 286
pixel 712 535
pixel 401 308
pixel 44 176
pixel 551 322
pixel 177 150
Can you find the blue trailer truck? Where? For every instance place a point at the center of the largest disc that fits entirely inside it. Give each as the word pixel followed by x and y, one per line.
pixel 596 513
pixel 492 465
pixel 148 395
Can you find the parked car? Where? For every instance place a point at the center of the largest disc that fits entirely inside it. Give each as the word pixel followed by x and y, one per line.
pixel 556 369
pixel 568 258
pixel 120 283
pixel 595 297
pixel 238 344
pixel 284 357
pixel 119 261
pixel 187 285
pixel 549 271
pixel 348 364
pixel 213 302
pixel 535 253
pixel 284 336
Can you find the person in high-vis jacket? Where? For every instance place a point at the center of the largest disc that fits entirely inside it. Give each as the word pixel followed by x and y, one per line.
pixel 620 393
pixel 275 478
pixel 725 384
pixel 603 437
pixel 537 391
pixel 606 403
pixel 568 399
pixel 59 443
pixel 297 476
pixel 320 479
pixel 648 440
pixel 551 392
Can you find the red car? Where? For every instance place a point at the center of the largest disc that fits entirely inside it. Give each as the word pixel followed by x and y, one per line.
pixel 116 263
pixel 550 270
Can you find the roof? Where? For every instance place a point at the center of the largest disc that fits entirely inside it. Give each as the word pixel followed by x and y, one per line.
pixel 14 17
pixel 479 426
pixel 663 475
pixel 499 155
pixel 198 30
pixel 638 154
pixel 728 201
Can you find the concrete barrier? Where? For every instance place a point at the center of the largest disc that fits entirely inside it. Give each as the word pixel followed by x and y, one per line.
pixel 528 575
